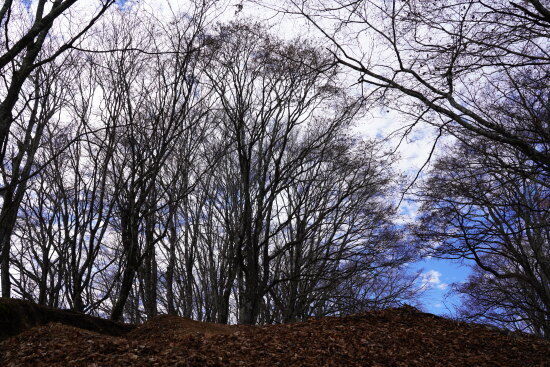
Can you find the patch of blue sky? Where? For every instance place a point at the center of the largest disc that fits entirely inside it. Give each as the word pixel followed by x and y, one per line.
pixel 438 276
pixel 122 3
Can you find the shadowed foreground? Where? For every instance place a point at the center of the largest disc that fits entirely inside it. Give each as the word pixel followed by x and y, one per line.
pixel 395 337
pixel 17 315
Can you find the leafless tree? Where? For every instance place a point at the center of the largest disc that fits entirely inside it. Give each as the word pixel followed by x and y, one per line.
pixel 27 51
pixel 452 64
pixel 339 248
pixel 204 171
pixel 153 82
pixel 24 51
pixel 271 103
pixel 67 206
pixel 42 105
pixel 499 220
pixel 266 93
pixel 478 72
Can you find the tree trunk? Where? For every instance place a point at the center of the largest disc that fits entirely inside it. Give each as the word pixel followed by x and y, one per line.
pixel 131 245
pixel 172 238
pixel 150 271
pixel 8 216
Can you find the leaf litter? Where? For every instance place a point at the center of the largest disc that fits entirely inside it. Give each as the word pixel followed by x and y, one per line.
pixel 387 338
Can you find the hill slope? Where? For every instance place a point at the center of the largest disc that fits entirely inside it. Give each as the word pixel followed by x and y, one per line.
pixel 396 337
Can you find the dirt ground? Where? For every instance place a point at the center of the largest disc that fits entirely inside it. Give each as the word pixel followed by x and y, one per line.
pixel 392 338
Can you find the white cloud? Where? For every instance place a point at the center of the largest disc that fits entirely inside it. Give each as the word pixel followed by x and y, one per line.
pixel 432 279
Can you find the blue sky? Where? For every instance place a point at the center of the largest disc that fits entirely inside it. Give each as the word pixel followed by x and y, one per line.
pixel 438 298
pixel 414 151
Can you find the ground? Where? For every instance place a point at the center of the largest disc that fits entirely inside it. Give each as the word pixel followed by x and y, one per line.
pixel 393 337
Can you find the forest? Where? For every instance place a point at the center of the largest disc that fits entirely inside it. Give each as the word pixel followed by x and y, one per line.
pixel 184 158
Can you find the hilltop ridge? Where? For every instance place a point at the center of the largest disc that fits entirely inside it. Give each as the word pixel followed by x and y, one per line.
pixel 393 337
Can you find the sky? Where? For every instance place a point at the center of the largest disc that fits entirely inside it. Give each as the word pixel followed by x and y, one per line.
pixel 437 275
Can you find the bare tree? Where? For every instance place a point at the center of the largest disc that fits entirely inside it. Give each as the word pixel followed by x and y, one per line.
pixel 476 71
pixel 204 171
pixel 67 205
pixel 153 111
pixel 266 94
pixel 499 220
pixel 452 64
pixel 289 188
pixel 43 103
pixel 339 250
pixel 25 53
